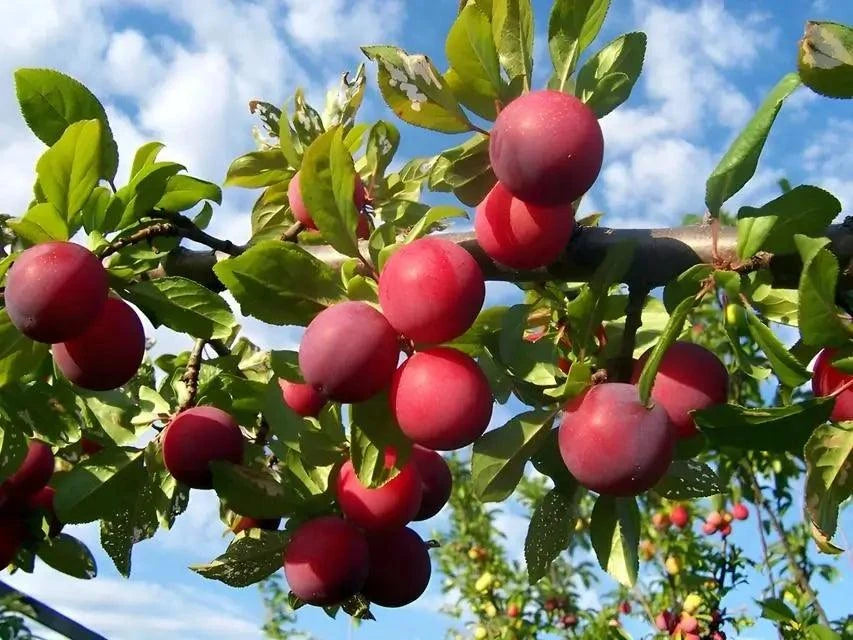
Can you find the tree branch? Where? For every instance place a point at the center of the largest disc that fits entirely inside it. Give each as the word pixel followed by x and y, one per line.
pixel 633 321
pixel 156 230
pixel 190 231
pixel 190 377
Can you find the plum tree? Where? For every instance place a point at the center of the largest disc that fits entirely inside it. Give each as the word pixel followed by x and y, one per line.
pixel 301 213
pixel 522 235
pixel 827 380
pixel 546 147
pixel 326 561
pixel 349 352
pixel 13 534
pixel 108 353
pixel 304 399
pixel 42 502
pixel 612 443
pixel 34 472
pixel 436 481
pixel 689 378
pixel 196 437
pixel 438 271
pixel 400 568
pixel 390 506
pixel 244 523
pixel 466 399
pixel 55 290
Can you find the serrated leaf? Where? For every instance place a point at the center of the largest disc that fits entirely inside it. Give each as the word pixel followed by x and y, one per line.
pixel 779 429
pixel 14 445
pixel 829 474
pixel 500 455
pixel 790 371
pixel 470 50
pixel 252 492
pixel 70 169
pixel 280 283
pixel 51 101
pixel 465 170
pixel 533 362
pixel 825 59
pixel 184 306
pixel 667 338
pixel 740 161
pixel 550 532
pixel 433 216
pixel 572 27
pixel 46 410
pixel 687 480
pixel 606 80
pixel 416 91
pixel 98 215
pixel 41 223
pixel 184 192
pixel 138 197
pixel 487 325
pixel 19 356
pixel 257 169
pixel 822 325
pixel 512 28
pixel 373 431
pixel 615 535
pixel 251 557
pixel 805 209
pixel 68 555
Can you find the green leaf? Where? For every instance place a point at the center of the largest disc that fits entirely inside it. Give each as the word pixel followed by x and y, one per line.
pixel 327 182
pixel 307 123
pixel 512 26
pixel 738 164
pixel 822 325
pixel 433 217
pixel 14 445
pixel 52 101
pixel 465 170
pixel 252 492
pixel 145 156
pixel 487 325
pixel 252 556
pixel 775 609
pixel 49 411
pixel 41 223
pixel 416 91
pixel 98 486
pixel 19 356
pixel 185 306
pixel 383 139
pixel 257 169
pixel 271 215
pixel 373 430
pixel 687 284
pixel 471 52
pixel 667 338
pixel 615 535
pixel 343 103
pixel 98 215
pixel 787 368
pixel 69 170
pixel 606 80
pixel 688 480
pixel 573 26
pixel 280 283
pixel 550 531
pixel 549 461
pixel 820 632
pixel 500 455
pixel 778 429
pixel 533 362
pixel 825 59
pixel 805 209
pixel 184 192
pixel 470 96
pixel 141 194
pixel 134 521
pixel 829 474
pixel 68 555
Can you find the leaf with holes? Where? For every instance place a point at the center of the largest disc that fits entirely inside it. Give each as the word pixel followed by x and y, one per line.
pixel 687 480
pixel 551 527
pixel 829 474
pixel 251 557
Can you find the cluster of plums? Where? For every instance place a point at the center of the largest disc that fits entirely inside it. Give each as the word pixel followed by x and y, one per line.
pixel 717 522
pixel 687 627
pixel 25 498
pixel 58 293
pixel 546 149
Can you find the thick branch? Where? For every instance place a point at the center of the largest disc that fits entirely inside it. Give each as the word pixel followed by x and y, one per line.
pixel 190 377
pixel 660 256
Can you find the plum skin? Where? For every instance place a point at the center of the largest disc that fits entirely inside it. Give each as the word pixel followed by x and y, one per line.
pixel 13 534
pixel 689 378
pixel 465 407
pixel 436 481
pixel 301 213
pixel 679 516
pixel 826 379
pixel 349 352
pixel 195 438
pixel 43 501
pixel 302 398
pixel 614 445
pixel 546 147
pixel 522 235
pixel 391 506
pixel 55 290
pixel 326 561
pixel 34 472
pixel 108 354
pixel 400 568
pixel 431 290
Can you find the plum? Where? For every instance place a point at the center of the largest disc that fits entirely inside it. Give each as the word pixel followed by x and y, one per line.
pixel 34 472
pixel 826 380
pixel 400 568
pixel 436 481
pixel 301 213
pixel 302 398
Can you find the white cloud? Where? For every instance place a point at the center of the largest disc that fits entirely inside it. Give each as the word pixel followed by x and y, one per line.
pixel 354 24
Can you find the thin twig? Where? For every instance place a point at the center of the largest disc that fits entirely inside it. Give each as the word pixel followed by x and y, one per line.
pixel 190 231
pixel 292 232
pixel 156 230
pixel 190 377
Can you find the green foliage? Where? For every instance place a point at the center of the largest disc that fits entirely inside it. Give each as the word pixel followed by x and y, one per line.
pixel 825 59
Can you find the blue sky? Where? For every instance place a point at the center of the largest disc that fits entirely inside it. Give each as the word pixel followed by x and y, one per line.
pixel 183 71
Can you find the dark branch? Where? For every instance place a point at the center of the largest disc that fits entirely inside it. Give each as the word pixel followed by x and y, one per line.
pixel 190 377
pixel 156 230
pixel 633 321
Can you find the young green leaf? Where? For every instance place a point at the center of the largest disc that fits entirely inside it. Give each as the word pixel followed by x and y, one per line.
pixel 790 371
pixel 184 192
pixel 465 170
pixel 382 142
pixel 433 217
pixel 343 103
pixel 829 474
pixel 19 356
pixel 473 58
pixel 687 284
pixel 252 491
pixel 138 197
pixel 145 156
pixel 251 557
pixel 512 27
pixel 500 455
pixel 533 362
pixel 825 59
pixel 416 91
pixel 41 223
pixel 615 535
pixel 667 338
pixel 572 27
pixel 69 556
pixel 257 169
pixel 779 429
pixel 688 480
pixel 280 283
pixel 373 431
pixel 805 209
pixel 606 80
pixel 738 164
pixel 550 531
pixel 485 328
pixel 822 324
pixel 98 215
pixel 51 101
pixel 69 170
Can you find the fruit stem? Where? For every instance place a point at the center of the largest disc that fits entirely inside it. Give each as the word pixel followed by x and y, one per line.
pixel 292 232
pixel 190 377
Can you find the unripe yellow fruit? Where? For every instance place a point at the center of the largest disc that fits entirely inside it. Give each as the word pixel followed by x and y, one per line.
pixel 480 633
pixel 692 603
pixel 673 566
pixel 490 610
pixel 735 316
pixel 473 554
pixel 484 582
